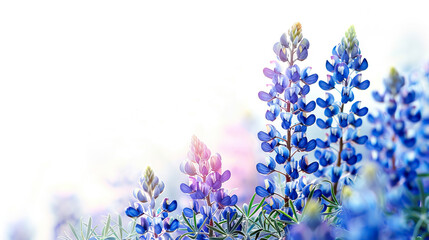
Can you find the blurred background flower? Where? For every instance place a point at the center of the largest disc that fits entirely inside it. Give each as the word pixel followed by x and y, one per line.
pixel 92 92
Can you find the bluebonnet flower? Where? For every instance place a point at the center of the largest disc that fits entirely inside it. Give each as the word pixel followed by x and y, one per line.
pixel 205 175
pixel 364 214
pixel 288 103
pixel 152 223
pixel 339 154
pixel 395 133
pixel 312 226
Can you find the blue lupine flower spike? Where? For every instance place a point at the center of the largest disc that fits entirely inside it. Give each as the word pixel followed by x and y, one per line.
pixel 287 100
pixel 345 67
pixel 153 223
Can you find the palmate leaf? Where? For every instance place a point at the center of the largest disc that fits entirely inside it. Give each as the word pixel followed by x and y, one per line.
pixel 195 231
pixel 216 230
pixel 220 227
pixel 187 222
pixel 237 223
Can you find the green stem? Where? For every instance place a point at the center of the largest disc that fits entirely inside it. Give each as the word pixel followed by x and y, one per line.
pixel 340 150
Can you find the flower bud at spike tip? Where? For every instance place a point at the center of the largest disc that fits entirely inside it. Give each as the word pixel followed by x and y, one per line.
pixel 295 33
pixel 189 169
pixel 216 162
pixel 149 175
pixel 350 39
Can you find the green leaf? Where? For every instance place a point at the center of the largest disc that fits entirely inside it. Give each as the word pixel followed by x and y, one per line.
pixel 312 191
pixel 185 234
pixel 106 227
pixel 120 226
pixel 293 210
pixel 74 231
pixel 228 225
pixel 81 229
pixel 220 227
pixel 187 222
pixel 423 175
pixel 287 215
pixel 202 225
pixel 237 223
pixel 251 204
pixel 215 229
pixel 195 221
pixel 259 206
pixel 328 200
pixel 422 195
pixel 241 211
pixel 88 231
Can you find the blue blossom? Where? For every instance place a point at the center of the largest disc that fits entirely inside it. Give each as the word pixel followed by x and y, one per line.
pixel 266 191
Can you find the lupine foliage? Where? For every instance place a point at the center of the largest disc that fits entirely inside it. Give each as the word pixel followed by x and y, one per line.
pixel 313 187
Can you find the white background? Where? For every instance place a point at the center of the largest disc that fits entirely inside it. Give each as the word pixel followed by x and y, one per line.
pixel 88 86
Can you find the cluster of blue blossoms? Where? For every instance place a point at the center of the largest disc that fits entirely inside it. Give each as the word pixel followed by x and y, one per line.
pixel 152 223
pixel 396 142
pixel 338 154
pixel 313 188
pixel 287 101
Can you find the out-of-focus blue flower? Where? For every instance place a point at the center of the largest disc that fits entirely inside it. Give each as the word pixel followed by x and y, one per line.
pixel 312 226
pixel 394 141
pixel 364 214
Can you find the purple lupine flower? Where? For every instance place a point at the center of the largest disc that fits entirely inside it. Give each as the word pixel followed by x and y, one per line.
pixel 208 176
pixel 205 175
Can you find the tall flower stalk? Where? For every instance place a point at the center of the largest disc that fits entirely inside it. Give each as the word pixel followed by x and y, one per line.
pixel 152 222
pixel 338 153
pixel 394 136
pixel 205 176
pixel 287 100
